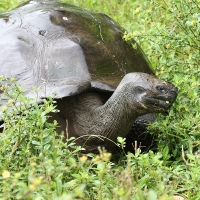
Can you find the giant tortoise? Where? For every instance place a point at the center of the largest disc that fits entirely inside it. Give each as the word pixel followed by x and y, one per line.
pixel 100 83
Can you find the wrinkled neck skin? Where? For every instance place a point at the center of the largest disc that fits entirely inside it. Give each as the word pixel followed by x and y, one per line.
pixel 87 115
pixel 117 115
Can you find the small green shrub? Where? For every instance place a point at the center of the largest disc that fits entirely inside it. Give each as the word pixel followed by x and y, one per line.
pixel 33 157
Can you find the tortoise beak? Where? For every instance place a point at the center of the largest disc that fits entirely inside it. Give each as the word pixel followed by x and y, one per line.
pixel 167 96
pixel 163 99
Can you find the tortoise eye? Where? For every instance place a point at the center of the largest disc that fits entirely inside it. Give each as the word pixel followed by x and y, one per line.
pixel 161 89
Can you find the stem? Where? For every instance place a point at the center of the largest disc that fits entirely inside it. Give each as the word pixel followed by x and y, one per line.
pixel 17 143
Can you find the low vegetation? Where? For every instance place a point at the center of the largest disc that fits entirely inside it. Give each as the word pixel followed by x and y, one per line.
pixel 34 161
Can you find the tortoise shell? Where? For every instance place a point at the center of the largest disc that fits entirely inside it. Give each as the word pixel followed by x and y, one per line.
pixel 64 50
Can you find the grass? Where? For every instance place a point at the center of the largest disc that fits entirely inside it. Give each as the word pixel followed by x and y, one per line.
pixel 35 164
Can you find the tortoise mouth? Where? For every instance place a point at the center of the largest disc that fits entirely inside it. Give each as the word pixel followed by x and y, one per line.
pixel 159 104
pixel 164 104
pixel 161 101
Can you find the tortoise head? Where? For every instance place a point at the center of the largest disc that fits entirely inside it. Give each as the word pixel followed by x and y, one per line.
pixel 146 94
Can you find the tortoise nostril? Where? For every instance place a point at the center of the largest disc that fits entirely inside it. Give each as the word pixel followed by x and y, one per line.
pixel 161 89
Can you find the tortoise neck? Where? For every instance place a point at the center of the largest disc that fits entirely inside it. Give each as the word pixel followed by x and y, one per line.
pixel 117 118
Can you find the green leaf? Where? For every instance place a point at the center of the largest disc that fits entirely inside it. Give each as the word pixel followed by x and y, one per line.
pixel 191 157
pixel 152 195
